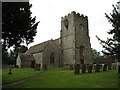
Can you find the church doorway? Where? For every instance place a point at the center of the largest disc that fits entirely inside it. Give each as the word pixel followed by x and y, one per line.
pixel 81 61
pixel 32 64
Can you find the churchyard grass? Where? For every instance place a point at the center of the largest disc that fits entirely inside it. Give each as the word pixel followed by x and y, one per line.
pixel 61 78
pixel 17 74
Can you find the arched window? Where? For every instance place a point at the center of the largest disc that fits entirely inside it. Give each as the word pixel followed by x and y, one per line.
pixel 52 58
pixel 66 23
pixel 82 51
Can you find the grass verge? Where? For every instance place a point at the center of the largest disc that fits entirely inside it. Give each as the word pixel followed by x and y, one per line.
pixel 17 74
pixel 61 78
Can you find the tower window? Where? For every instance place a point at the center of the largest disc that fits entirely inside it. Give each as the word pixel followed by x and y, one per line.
pixel 52 58
pixel 82 51
pixel 66 23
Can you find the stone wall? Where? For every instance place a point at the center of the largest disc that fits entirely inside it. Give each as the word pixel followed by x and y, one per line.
pixel 82 39
pixel 26 64
pixel 66 50
pixel 51 49
pixel 73 36
pixel 67 40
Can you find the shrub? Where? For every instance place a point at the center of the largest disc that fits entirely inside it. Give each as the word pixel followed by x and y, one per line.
pixel 105 67
pixel 37 67
pixel 77 68
pixel 97 68
pixel 10 71
pixel 90 67
pixel 45 67
pixel 83 68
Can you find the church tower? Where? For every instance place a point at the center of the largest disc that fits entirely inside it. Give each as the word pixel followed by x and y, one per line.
pixel 75 40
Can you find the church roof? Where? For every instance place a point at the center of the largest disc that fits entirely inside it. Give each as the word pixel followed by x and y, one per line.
pixel 24 56
pixel 40 47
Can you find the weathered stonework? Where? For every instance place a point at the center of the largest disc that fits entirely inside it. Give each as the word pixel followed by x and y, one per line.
pixel 75 40
pixel 73 46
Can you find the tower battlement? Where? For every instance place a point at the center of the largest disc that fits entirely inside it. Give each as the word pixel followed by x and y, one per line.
pixel 73 13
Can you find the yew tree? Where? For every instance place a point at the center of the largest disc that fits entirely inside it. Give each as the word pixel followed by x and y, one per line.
pixel 18 26
pixel 112 45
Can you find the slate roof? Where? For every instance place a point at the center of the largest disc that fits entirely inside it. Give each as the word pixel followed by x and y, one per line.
pixel 24 56
pixel 40 47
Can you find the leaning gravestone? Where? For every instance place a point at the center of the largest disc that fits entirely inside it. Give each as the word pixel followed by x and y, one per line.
pixel 45 67
pixel 37 67
pixel 97 68
pixel 105 67
pixel 83 68
pixel 77 68
pixel 90 67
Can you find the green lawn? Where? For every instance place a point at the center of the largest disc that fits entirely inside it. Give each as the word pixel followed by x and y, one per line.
pixel 61 78
pixel 18 74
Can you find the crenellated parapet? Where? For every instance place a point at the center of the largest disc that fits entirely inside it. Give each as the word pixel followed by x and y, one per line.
pixel 73 13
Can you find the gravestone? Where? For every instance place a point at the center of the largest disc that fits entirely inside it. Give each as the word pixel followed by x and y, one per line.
pixel 45 67
pixel 77 68
pixel 37 67
pixel 94 66
pixel 83 68
pixel 90 68
pixel 114 66
pixel 105 67
pixel 97 68
pixel 100 66
pixel 109 66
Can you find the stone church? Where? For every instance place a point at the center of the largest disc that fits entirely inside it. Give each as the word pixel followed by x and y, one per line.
pixel 73 46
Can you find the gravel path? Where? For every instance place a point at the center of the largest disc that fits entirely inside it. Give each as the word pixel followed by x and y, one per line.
pixel 21 81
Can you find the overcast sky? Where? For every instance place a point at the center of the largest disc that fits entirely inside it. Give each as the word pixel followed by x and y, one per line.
pixel 49 13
